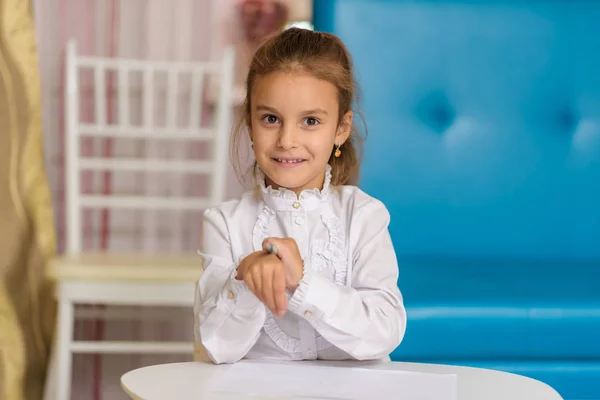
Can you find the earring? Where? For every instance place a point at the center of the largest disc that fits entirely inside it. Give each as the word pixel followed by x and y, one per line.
pixel 338 152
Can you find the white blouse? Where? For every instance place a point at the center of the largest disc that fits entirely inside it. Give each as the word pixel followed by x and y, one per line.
pixel 347 306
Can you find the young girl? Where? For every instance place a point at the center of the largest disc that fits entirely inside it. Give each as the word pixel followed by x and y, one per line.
pixel 302 267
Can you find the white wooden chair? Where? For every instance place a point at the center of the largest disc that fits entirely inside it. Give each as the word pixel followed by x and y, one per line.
pixel 132 279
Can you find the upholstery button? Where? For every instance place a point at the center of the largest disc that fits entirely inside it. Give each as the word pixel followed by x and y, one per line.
pixel 307 314
pixel 567 120
pixel 296 205
pixel 436 111
pixel 299 220
pixel 230 295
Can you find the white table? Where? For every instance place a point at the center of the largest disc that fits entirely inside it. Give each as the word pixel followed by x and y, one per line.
pixel 186 381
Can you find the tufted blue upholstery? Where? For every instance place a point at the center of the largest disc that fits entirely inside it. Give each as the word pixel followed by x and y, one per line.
pixel 484 143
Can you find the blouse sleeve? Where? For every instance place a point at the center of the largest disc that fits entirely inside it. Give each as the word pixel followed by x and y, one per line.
pixel 227 315
pixel 367 319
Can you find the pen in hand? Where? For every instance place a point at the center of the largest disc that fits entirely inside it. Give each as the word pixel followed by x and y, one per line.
pixel 271 249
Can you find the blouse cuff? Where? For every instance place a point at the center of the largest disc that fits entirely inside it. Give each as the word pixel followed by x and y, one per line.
pixel 315 296
pixel 237 295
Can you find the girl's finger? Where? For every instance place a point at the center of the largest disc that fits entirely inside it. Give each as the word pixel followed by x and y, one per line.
pixel 250 283
pixel 267 289
pixel 279 291
pixel 257 282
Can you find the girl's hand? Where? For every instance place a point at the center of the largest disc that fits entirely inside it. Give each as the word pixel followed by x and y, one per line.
pixel 287 251
pixel 265 276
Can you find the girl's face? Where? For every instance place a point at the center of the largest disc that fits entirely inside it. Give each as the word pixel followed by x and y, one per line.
pixel 294 126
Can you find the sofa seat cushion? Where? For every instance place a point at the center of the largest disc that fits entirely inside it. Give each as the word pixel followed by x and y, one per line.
pixel 482 310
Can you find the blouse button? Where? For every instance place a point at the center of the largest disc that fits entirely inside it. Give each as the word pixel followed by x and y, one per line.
pixel 296 205
pixel 307 314
pixel 299 220
pixel 230 295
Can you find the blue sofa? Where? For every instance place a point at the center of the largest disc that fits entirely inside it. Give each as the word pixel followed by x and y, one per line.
pixel 484 143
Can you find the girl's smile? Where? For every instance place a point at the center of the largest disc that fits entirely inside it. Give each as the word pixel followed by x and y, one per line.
pixel 285 162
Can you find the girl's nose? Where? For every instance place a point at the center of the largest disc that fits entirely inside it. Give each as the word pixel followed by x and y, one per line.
pixel 287 138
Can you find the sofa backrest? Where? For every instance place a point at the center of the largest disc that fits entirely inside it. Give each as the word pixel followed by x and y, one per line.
pixel 484 122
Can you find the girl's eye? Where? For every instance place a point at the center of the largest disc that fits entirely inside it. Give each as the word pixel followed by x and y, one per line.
pixel 310 121
pixel 270 119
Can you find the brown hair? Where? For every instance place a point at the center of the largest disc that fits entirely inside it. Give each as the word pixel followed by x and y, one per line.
pixel 324 56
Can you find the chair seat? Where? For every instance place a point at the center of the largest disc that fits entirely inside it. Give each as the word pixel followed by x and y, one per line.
pixel 465 310
pixel 121 267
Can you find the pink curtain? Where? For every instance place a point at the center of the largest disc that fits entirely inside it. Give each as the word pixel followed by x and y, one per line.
pixel 182 30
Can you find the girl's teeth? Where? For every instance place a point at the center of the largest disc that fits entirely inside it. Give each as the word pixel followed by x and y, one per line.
pixel 288 161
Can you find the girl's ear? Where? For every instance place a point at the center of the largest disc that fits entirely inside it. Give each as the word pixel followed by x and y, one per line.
pixel 344 128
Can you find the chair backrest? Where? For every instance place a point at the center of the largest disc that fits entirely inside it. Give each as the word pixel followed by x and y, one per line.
pixel 181 126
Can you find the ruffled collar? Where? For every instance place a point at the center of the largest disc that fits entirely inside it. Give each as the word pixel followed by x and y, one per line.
pixel 283 199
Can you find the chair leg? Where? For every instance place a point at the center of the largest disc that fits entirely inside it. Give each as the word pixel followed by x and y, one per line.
pixel 63 349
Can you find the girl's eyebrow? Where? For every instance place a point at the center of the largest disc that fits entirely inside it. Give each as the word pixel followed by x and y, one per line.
pixel 262 107
pixel 315 111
